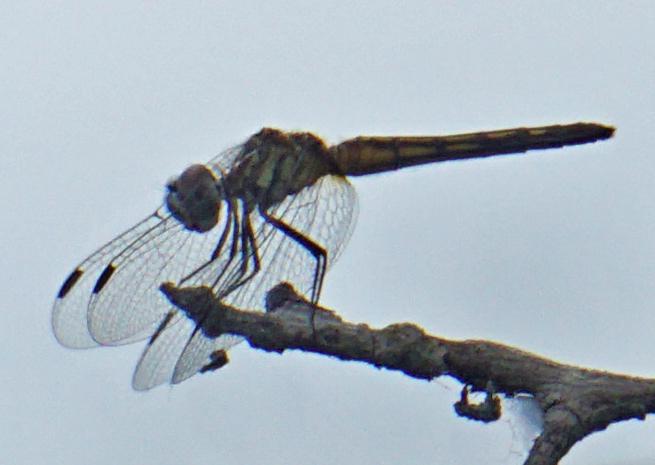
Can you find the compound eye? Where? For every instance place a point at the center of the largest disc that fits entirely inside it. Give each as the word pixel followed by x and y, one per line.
pixel 171 186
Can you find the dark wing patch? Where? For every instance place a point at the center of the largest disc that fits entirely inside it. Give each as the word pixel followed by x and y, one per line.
pixel 69 283
pixel 104 277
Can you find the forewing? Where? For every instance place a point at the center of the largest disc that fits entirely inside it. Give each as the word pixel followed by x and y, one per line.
pixel 69 316
pixel 130 305
pixel 127 304
pixel 226 160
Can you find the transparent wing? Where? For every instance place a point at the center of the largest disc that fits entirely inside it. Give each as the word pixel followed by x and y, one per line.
pixel 69 316
pixel 224 161
pixel 324 212
pixel 158 361
pixel 113 296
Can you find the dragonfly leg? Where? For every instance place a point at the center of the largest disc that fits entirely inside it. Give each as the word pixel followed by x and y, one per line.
pixel 250 235
pixel 319 253
pixel 242 235
pixel 249 252
pixel 226 231
pixel 234 248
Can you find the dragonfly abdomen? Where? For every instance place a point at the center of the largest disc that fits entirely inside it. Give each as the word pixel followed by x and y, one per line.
pixel 369 155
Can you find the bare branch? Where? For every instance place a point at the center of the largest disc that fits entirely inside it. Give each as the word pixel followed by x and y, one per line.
pixel 575 401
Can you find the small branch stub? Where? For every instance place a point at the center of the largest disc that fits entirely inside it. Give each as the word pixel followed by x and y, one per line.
pixel 487 411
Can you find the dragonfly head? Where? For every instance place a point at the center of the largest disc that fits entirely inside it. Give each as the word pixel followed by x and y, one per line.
pixel 194 198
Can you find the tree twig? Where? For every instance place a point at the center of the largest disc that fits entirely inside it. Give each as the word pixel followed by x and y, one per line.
pixel 575 401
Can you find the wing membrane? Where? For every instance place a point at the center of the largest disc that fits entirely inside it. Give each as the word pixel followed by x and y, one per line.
pixel 69 317
pixel 113 296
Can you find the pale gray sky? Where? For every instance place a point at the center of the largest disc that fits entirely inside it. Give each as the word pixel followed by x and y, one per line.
pixel 104 101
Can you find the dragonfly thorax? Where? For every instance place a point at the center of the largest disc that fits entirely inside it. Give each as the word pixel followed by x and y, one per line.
pixel 194 198
pixel 275 165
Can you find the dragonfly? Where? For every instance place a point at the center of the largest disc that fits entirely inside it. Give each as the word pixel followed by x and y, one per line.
pixel 276 208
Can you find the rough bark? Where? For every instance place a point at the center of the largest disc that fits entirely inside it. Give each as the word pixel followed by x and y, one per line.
pixel 575 401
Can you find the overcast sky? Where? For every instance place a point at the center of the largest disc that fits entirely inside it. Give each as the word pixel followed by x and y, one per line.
pixel 552 252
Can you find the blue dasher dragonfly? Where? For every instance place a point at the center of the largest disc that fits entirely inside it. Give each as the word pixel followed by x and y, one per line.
pixel 277 208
